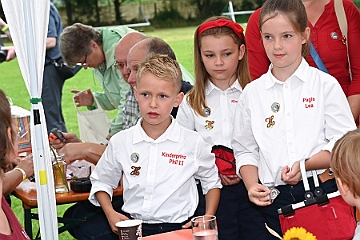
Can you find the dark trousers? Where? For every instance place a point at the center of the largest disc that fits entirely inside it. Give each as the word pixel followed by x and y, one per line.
pixel 95 224
pixel 237 217
pixel 51 98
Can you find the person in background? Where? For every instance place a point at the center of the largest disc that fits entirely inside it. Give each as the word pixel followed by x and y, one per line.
pixel 131 109
pixel 171 191
pixel 84 44
pixel 52 82
pixel 346 167
pixel 291 113
pixel 138 54
pixel 327 39
pixel 4 27
pixel 221 71
pixel 10 54
pixel 10 227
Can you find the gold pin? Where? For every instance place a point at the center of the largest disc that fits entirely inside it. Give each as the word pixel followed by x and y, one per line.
pixel 209 124
pixel 135 171
pixel 270 121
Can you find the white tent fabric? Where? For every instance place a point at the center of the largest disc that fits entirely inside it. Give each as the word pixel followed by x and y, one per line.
pixel 28 24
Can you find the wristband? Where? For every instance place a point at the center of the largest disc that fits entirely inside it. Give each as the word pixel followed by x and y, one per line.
pixel 6 27
pixel 22 171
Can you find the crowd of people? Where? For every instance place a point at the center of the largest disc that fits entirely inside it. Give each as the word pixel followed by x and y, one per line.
pixel 258 98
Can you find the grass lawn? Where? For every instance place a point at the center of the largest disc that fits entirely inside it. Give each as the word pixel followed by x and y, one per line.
pixel 180 39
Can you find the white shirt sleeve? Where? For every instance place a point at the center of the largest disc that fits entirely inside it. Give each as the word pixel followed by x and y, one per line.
pixel 185 115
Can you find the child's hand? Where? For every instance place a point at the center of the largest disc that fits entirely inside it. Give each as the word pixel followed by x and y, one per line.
pixel 187 225
pixel 115 217
pixel 227 180
pixel 259 194
pixel 291 176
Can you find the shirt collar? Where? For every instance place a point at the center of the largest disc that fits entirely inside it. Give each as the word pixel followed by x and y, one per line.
pixel 300 73
pixel 210 87
pixel 172 133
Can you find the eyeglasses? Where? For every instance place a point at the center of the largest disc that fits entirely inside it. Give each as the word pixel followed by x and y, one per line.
pixel 119 65
pixel 84 64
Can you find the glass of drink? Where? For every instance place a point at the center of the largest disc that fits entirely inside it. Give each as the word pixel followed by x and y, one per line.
pixel 204 228
pixel 59 169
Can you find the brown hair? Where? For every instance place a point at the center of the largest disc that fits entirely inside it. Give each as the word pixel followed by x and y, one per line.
pixel 6 144
pixel 163 67
pixel 196 96
pixel 75 42
pixel 294 11
pixel 345 160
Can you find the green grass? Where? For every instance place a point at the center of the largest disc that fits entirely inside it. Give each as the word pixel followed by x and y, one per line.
pixel 180 39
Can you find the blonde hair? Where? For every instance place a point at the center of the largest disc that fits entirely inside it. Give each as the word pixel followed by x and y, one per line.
pixel 163 67
pixel 196 96
pixel 294 11
pixel 345 160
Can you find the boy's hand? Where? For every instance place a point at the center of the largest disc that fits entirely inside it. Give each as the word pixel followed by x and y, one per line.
pixel 187 225
pixel 259 194
pixel 291 176
pixel 115 217
pixel 227 180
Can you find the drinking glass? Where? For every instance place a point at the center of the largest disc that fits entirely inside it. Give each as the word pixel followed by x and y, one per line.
pixel 204 228
pixel 59 170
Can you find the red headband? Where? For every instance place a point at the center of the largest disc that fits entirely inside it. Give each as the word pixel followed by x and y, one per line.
pixel 221 23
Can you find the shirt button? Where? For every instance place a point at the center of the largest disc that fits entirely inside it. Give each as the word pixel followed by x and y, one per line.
pixel 223 93
pixel 225 120
pixel 290 144
pixel 286 86
pixel 146 198
pixel 288 114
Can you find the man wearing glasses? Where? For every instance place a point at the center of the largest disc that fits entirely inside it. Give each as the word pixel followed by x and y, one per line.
pixel 84 45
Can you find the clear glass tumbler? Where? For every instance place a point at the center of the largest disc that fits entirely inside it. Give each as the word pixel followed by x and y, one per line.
pixel 204 228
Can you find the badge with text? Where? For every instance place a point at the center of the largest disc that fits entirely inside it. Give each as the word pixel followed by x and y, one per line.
pixel 270 121
pixel 135 171
pixel 209 124
pixel 134 157
pixel 275 107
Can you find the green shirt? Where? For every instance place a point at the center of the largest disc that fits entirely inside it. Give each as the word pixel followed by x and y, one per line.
pixel 110 78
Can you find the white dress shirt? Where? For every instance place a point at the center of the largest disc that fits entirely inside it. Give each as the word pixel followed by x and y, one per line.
pixel 313 113
pixel 222 106
pixel 164 190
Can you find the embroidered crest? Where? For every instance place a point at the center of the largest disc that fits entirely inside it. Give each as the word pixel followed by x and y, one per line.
pixel 209 124
pixel 275 107
pixel 135 157
pixel 135 171
pixel 270 121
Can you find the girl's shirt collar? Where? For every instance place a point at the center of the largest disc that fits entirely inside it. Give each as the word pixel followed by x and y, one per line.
pixel 210 87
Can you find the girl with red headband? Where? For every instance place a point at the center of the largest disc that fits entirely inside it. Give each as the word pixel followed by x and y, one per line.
pixel 221 73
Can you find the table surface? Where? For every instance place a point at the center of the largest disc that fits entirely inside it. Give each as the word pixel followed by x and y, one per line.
pixel 185 234
pixel 26 192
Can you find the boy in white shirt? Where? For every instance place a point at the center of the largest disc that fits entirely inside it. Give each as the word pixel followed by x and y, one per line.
pixel 158 158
